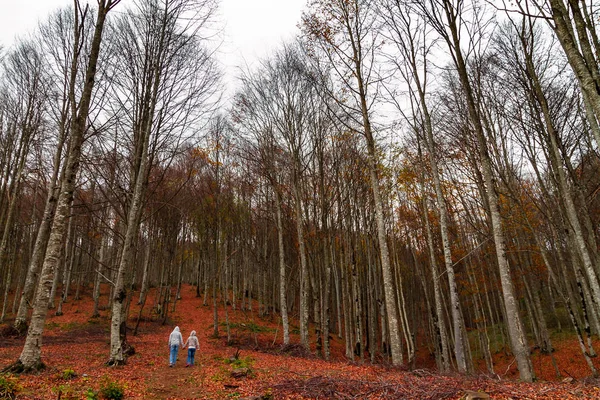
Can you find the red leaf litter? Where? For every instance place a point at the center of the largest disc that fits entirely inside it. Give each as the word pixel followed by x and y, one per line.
pixel 77 342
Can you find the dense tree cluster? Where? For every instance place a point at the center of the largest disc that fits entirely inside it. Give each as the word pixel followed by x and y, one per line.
pixel 405 174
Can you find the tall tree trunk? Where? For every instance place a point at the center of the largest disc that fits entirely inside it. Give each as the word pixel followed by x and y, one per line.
pixel 282 274
pixel 514 323
pixel 338 299
pixel 43 233
pixel 98 276
pixel 357 314
pixel 460 342
pixel 145 279
pixel 371 309
pixel 346 303
pixel 386 268
pixel 326 315
pixel 13 200
pixel 144 126
pixel 564 289
pixel 482 326
pixel 304 278
pixel 118 345
pixel 7 283
pixel 439 323
pixel 576 33
pixel 70 249
pixel 560 174
pixel 30 358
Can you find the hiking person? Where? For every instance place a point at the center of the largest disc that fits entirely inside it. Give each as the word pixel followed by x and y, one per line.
pixel 192 345
pixel 175 342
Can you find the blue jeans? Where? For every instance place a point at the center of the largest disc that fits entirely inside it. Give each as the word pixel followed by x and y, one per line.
pixel 191 354
pixel 173 354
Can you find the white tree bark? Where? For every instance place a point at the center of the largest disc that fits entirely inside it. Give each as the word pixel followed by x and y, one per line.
pixel 440 324
pixel 562 179
pixel 304 282
pixel 445 18
pixel 30 358
pixel 128 252
pixel 576 34
pixel 282 273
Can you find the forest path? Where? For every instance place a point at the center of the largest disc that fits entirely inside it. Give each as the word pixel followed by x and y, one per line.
pixel 76 342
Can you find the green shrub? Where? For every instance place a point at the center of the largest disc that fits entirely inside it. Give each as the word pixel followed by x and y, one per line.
pixel 112 390
pixel 68 374
pixel 268 394
pixel 91 394
pixel 220 376
pixel 9 387
pixel 65 392
pixel 241 362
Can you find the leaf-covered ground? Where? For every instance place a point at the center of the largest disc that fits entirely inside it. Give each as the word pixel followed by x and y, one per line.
pixel 76 342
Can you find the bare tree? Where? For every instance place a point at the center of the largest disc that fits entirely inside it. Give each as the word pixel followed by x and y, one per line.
pixel 30 358
pixel 347 34
pixel 253 113
pixel 166 88
pixel 449 19
pixel 23 105
pixel 575 23
pixel 410 38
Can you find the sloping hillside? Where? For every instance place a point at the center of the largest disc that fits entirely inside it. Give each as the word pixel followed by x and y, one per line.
pixel 75 342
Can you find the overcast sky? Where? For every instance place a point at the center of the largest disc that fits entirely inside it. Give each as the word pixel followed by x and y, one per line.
pixel 252 27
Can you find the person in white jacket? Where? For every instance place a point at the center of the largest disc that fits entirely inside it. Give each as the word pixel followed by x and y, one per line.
pixel 175 342
pixel 192 344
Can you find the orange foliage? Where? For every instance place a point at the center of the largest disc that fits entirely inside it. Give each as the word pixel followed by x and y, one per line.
pixel 76 341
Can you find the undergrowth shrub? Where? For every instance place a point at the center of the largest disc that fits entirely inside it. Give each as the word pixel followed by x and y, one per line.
pixel 9 387
pixel 241 362
pixel 91 394
pixel 65 392
pixel 112 390
pixel 69 374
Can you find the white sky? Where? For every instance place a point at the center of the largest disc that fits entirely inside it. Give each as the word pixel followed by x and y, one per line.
pixel 252 27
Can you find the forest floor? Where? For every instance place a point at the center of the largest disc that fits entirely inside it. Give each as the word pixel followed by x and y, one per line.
pixel 76 342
